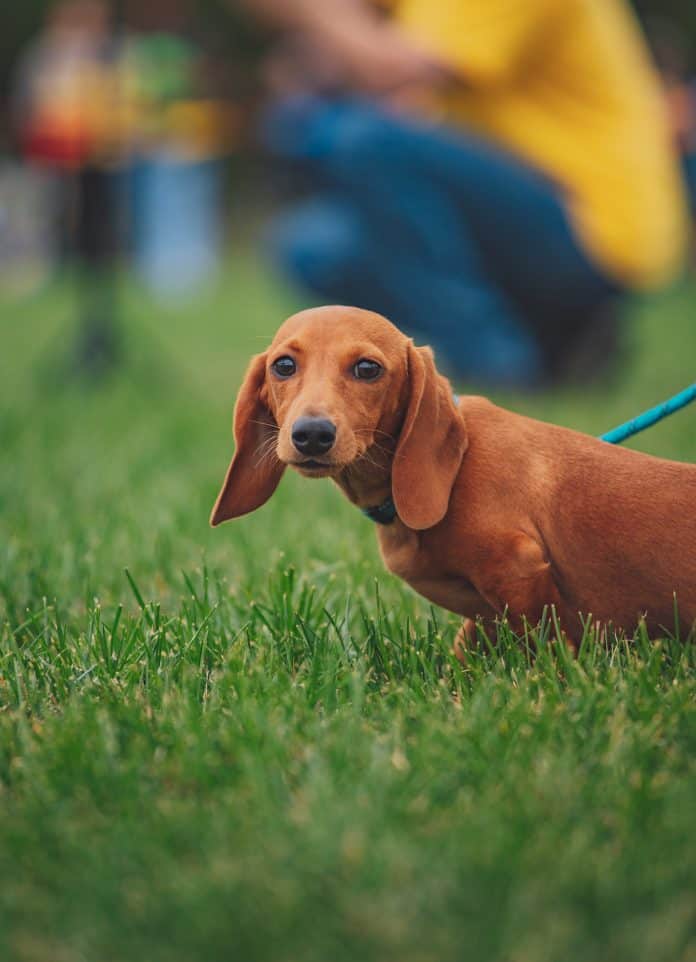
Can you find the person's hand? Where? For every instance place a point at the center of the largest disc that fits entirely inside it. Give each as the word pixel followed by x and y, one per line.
pixel 377 57
pixel 347 45
pixel 298 66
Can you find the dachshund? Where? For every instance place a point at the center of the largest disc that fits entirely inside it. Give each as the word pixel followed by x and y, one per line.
pixel 485 512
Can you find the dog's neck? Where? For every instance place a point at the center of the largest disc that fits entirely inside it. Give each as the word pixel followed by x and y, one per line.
pixel 367 481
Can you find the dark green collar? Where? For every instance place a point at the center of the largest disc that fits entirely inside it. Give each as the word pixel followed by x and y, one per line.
pixel 383 513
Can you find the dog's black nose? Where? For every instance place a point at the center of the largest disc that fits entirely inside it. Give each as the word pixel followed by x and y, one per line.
pixel 313 435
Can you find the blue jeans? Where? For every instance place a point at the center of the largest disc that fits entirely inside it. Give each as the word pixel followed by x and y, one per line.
pixel 453 239
pixel 690 177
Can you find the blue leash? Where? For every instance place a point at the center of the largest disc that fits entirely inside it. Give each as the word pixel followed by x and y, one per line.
pixel 650 417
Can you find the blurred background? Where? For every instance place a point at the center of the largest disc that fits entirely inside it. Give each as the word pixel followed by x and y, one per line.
pixel 495 188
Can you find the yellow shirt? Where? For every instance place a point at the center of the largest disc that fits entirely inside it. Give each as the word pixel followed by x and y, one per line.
pixel 568 86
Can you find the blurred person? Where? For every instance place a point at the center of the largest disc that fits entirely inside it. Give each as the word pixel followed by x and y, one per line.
pixel 28 242
pixel 671 55
pixel 121 118
pixel 179 140
pixel 689 141
pixel 68 120
pixel 493 175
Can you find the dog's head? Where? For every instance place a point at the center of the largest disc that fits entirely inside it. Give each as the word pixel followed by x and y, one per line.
pixel 336 382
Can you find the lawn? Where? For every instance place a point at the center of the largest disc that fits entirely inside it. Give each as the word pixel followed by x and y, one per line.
pixel 253 743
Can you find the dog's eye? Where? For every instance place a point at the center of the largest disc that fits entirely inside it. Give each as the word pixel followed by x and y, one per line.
pixel 366 370
pixel 284 367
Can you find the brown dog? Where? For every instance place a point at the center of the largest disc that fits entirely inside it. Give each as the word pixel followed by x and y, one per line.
pixel 482 511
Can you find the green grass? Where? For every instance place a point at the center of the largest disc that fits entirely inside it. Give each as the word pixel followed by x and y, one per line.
pixel 253 743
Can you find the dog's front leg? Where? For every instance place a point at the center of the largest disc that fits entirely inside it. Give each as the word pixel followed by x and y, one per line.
pixel 517 579
pixel 465 640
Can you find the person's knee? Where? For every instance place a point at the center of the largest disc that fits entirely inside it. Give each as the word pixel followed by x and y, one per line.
pixel 330 132
pixel 317 129
pixel 317 245
pixel 358 135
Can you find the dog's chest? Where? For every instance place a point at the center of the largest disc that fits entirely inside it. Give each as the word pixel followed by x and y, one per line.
pixel 406 556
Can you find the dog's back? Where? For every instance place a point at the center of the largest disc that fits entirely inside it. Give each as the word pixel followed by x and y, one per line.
pixel 619 526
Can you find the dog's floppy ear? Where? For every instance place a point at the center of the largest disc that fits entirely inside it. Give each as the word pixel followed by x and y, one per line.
pixel 255 471
pixel 431 445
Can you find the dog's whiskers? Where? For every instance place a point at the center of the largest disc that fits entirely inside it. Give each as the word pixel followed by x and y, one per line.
pixel 374 431
pixel 265 424
pixel 266 449
pixel 367 459
pixel 376 444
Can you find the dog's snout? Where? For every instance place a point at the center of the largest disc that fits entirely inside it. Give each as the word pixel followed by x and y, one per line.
pixel 313 435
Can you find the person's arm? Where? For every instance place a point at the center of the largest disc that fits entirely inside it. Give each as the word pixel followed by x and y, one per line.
pixel 374 55
pixel 302 15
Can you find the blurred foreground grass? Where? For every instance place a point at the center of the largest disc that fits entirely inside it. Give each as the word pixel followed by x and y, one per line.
pixel 253 743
